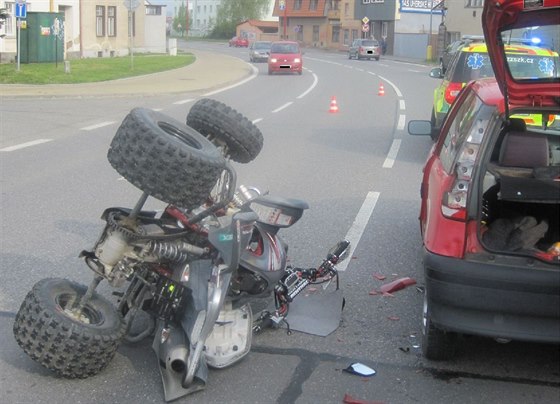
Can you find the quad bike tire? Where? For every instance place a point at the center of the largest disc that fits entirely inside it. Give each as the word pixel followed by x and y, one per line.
pixel 72 347
pixel 165 158
pixel 239 138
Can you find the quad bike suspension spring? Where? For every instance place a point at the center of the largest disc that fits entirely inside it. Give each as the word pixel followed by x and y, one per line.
pixel 176 251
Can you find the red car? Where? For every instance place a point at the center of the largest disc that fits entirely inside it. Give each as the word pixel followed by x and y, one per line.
pixel 490 209
pixel 285 57
pixel 239 42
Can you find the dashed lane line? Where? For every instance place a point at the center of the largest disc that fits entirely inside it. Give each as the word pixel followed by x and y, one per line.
pixel 24 145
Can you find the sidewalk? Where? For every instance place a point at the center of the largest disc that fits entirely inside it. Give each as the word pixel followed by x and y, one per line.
pixel 210 70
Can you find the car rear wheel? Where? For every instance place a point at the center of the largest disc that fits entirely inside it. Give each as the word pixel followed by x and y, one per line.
pixel 437 344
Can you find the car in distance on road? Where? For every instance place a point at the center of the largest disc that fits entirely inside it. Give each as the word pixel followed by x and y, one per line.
pixel 259 51
pixel 472 62
pixel 239 42
pixel 364 49
pixel 490 197
pixel 285 57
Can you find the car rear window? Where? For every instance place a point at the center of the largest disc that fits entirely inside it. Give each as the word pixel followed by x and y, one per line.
pixel 471 66
pixel 370 43
pixel 262 45
pixel 284 48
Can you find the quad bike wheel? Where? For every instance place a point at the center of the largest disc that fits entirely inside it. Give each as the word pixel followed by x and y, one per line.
pixel 165 158
pixel 238 137
pixel 71 345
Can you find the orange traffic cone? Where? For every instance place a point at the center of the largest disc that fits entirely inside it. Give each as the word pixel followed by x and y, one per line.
pixel 333 108
pixel 381 89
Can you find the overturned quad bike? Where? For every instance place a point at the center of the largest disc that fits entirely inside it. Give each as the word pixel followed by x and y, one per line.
pixel 195 269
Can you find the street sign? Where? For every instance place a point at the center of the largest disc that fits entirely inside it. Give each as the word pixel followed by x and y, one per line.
pixel 21 10
pixel 282 5
pixel 131 4
pixel 365 27
pixel 365 20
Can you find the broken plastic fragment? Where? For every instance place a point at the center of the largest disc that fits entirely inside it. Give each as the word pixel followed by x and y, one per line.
pixel 393 318
pixel 348 399
pixel 373 292
pixel 379 277
pixel 398 284
pixel 359 369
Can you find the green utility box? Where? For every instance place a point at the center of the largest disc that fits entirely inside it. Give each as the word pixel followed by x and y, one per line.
pixel 42 38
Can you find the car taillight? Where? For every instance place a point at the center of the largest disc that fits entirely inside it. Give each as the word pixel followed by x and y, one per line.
pixel 360 49
pixel 452 91
pixel 454 204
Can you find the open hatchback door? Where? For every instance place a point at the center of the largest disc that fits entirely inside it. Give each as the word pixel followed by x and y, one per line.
pixel 535 22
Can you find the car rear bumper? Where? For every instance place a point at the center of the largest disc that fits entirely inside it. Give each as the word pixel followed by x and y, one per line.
pixel 494 299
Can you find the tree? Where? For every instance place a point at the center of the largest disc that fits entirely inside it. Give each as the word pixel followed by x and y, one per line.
pixel 232 12
pixel 180 20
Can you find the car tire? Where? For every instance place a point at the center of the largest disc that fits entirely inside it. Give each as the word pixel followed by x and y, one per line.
pixel 377 59
pixel 165 158
pixel 435 130
pixel 71 346
pixel 239 139
pixel 437 345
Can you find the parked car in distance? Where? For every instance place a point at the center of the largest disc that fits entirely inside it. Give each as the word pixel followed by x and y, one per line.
pixel 259 51
pixel 490 196
pixel 285 57
pixel 364 49
pixel 451 49
pixel 472 62
pixel 239 42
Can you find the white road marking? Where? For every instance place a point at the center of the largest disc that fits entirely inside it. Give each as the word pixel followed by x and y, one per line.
pixel 402 121
pixel 315 81
pixel 98 125
pixel 255 74
pixel 372 73
pixel 257 120
pixel 393 151
pixel 181 102
pixel 402 106
pixel 392 85
pixel 24 145
pixel 383 65
pixel 286 105
pixel 357 229
pixel 158 109
pixel 414 71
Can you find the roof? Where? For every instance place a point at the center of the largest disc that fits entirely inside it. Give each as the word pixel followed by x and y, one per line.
pixel 261 23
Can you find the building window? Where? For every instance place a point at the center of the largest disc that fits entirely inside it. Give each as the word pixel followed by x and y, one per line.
pixel 8 26
pixel 474 3
pixel 355 34
pixel 336 33
pixel 346 37
pixel 299 33
pixel 315 33
pixel 313 4
pixel 384 29
pixel 153 10
pixel 111 21
pixel 346 9
pixel 297 4
pixel 100 20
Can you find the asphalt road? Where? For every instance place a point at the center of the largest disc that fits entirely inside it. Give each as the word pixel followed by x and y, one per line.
pixel 358 170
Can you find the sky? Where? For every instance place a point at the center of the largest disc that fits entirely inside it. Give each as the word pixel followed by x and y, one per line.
pixel 171 4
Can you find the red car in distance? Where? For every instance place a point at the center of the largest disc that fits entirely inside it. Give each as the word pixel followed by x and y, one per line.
pixel 239 42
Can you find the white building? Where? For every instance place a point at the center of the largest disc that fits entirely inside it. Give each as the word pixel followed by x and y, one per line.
pixel 203 16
